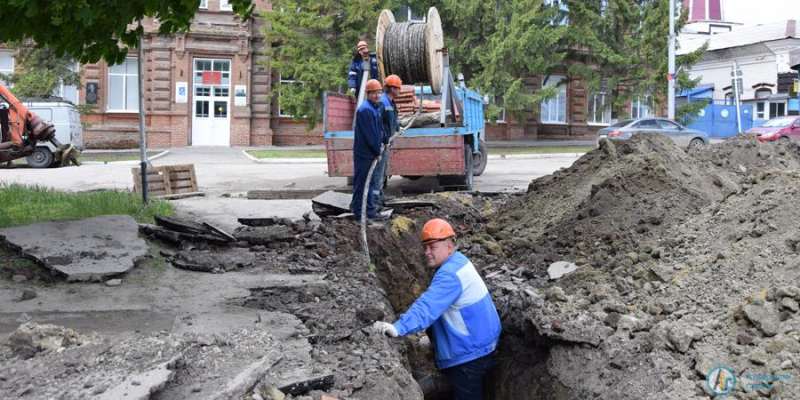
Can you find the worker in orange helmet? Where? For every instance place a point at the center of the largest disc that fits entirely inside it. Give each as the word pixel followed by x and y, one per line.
pixel 367 143
pixel 459 308
pixel 362 61
pixel 391 124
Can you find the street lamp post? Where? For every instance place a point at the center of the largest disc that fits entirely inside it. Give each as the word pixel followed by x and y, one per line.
pixel 671 63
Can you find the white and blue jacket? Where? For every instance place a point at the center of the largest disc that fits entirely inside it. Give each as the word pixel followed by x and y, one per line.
pixel 460 309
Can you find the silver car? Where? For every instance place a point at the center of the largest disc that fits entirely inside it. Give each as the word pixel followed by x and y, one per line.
pixel 681 135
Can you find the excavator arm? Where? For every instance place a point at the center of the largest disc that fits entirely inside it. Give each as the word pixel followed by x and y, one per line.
pixel 22 130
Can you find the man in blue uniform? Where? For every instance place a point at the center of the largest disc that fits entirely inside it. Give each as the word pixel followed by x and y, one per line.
pixel 459 308
pixel 367 142
pixel 361 62
pixel 391 124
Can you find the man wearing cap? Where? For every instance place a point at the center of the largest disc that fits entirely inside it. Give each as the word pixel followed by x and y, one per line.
pixel 391 124
pixel 361 62
pixel 459 308
pixel 367 143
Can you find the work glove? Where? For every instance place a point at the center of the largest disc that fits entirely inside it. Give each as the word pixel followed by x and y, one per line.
pixel 351 92
pixel 384 328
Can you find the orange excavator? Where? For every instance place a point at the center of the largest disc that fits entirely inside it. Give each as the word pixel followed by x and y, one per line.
pixel 21 129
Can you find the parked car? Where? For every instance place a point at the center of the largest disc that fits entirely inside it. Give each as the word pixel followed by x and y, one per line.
pixel 67 121
pixel 780 128
pixel 681 135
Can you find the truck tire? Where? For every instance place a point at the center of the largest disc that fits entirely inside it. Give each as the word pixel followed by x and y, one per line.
pixel 42 157
pixel 480 159
pixel 461 182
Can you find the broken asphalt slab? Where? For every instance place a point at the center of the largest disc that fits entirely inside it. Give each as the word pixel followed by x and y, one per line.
pixel 82 250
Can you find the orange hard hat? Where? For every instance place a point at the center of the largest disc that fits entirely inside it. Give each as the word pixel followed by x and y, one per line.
pixel 373 85
pixel 437 229
pixel 393 80
pixel 361 44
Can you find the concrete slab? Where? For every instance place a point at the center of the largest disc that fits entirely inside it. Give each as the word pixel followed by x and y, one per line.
pixel 331 203
pixel 82 250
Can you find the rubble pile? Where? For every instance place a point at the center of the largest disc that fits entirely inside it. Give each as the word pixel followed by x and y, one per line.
pixel 686 261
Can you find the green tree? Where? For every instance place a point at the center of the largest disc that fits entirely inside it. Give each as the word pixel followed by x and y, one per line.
pixel 39 71
pixel 623 45
pixel 313 42
pixel 89 30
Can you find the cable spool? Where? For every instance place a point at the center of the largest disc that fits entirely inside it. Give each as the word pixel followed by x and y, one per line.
pixel 411 50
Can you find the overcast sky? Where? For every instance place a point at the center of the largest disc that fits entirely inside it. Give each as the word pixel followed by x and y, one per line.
pixel 751 12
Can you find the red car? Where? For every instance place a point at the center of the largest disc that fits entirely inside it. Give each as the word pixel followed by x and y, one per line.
pixel 781 128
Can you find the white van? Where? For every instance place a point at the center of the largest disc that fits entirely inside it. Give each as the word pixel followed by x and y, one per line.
pixel 67 121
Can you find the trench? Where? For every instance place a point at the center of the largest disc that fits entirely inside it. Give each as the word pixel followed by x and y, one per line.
pixel 521 357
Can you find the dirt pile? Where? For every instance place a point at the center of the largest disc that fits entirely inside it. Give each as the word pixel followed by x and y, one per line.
pixel 686 263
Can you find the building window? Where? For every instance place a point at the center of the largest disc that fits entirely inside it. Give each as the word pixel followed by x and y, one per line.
pixel 225 6
pixel 285 80
pixel 730 99
pixel 554 110
pixel 761 107
pixel 123 86
pixel 68 92
pixel 410 15
pixel 598 112
pixel 6 65
pixel 501 118
pixel 562 18
pixel 203 4
pixel 777 110
pixel 641 107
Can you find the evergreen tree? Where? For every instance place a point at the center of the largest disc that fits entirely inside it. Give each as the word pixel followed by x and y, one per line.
pixel 313 42
pixel 623 45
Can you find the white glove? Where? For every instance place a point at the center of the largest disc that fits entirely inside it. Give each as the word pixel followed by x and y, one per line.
pixel 351 92
pixel 384 328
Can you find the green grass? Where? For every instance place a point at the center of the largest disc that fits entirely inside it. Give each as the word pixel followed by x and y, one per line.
pixel 23 205
pixel 113 157
pixel 539 150
pixel 288 153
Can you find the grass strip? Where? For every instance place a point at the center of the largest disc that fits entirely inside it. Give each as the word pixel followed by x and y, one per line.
pixel 23 205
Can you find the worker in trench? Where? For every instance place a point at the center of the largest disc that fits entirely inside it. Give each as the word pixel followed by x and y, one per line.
pixel 367 146
pixel 460 310
pixel 362 61
pixel 391 124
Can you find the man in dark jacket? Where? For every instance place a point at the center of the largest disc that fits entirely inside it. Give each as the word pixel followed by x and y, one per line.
pixel 368 139
pixel 359 65
pixel 390 117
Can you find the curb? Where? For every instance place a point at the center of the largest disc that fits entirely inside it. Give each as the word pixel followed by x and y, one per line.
pixel 491 157
pixel 129 162
pixel 535 156
pixel 286 160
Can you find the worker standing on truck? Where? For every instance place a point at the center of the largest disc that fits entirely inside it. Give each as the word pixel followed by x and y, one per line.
pixel 391 124
pixel 367 145
pixel 459 308
pixel 361 62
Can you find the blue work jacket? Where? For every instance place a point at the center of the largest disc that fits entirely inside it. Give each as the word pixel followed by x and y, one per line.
pixel 458 306
pixel 369 131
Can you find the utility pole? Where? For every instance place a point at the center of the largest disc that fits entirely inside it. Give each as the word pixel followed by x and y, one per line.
pixel 142 135
pixel 671 63
pixel 736 82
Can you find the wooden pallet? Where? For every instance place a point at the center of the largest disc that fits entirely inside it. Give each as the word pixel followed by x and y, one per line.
pixel 168 181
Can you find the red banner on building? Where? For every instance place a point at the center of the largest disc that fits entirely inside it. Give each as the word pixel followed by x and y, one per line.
pixel 212 78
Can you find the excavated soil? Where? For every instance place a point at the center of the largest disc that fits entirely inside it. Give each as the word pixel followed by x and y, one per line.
pixel 687 261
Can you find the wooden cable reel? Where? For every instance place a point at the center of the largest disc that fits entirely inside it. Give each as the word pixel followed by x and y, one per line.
pixel 413 59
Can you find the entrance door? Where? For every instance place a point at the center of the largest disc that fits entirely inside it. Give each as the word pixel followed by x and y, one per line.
pixel 211 120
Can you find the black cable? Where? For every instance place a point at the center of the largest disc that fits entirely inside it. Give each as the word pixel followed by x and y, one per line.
pixel 405 52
